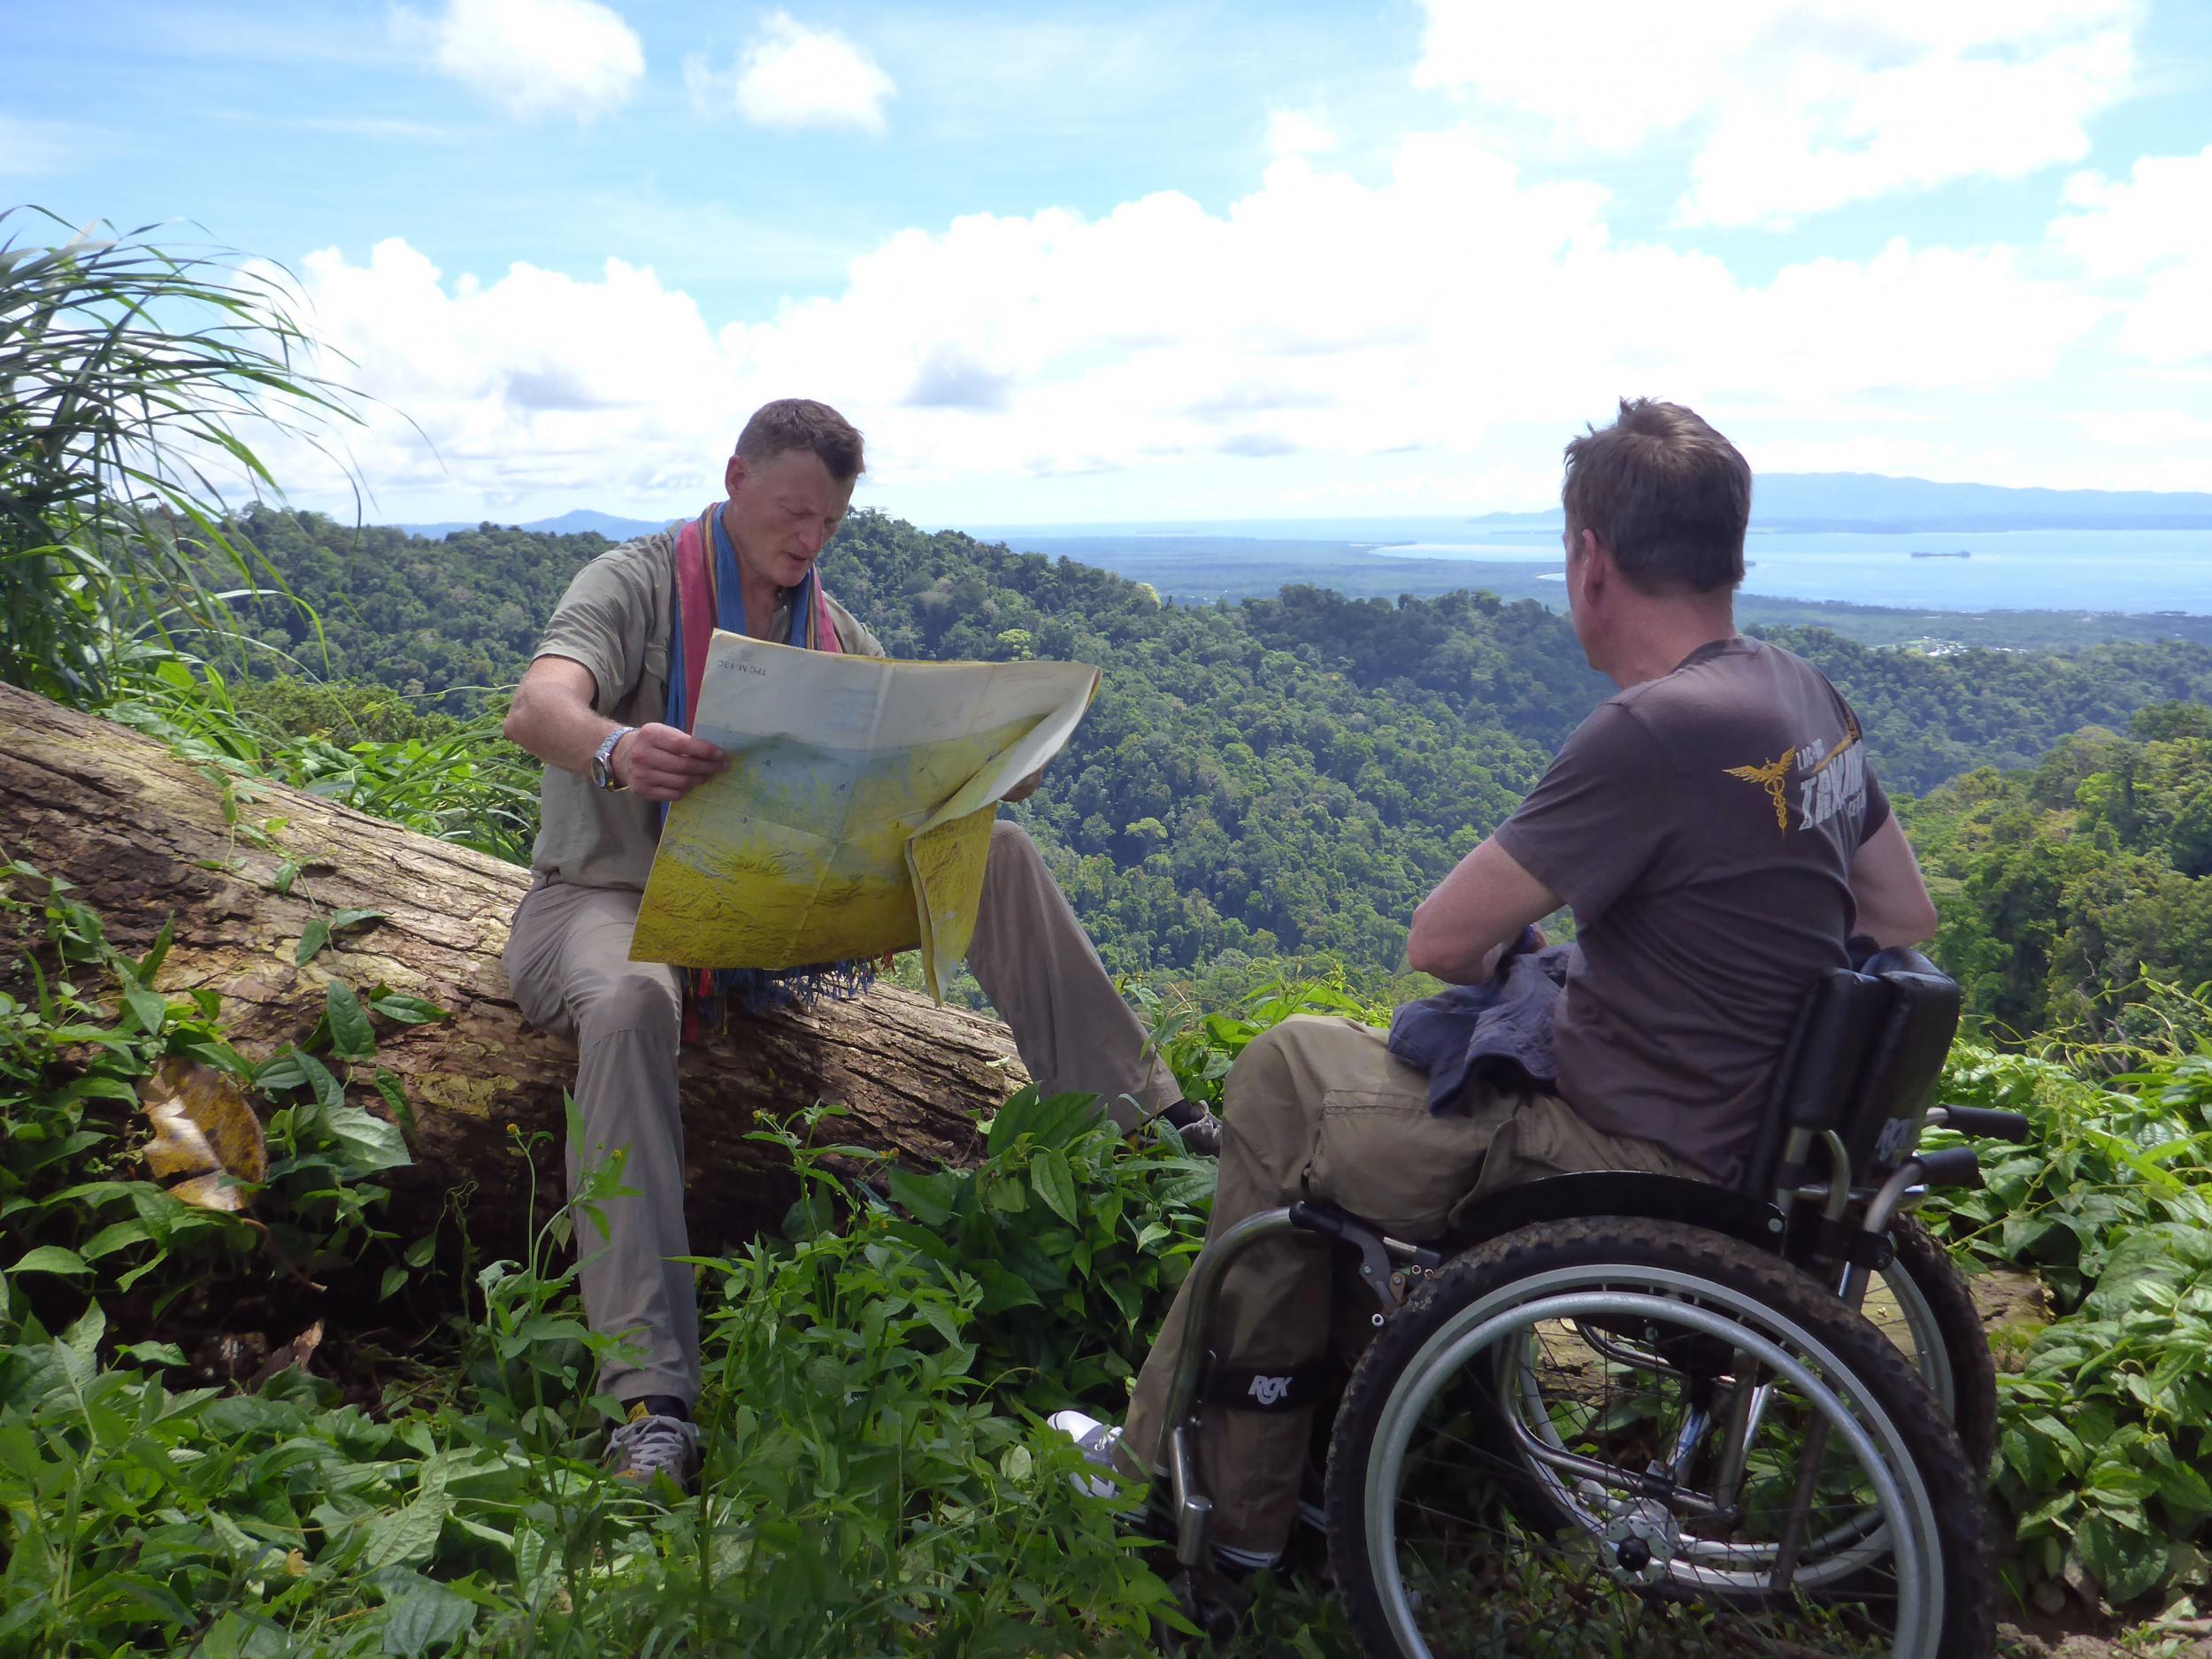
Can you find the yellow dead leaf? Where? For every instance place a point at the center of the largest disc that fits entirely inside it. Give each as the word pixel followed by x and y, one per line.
pixel 205 1131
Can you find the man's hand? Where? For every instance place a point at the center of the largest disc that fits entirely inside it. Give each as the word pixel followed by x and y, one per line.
pixel 1026 787
pixel 662 764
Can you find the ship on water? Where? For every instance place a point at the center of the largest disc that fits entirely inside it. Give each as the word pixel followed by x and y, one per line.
pixel 1963 553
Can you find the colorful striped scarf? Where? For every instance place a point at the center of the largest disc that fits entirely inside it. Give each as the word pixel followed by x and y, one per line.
pixel 707 594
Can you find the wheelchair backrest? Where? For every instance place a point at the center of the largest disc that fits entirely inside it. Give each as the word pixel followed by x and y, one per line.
pixel 1862 1061
pixel 1905 1064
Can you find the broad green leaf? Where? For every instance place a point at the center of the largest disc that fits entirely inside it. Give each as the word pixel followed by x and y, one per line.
pixel 313 937
pixel 1002 1191
pixel 280 1072
pixel 351 1035
pixel 403 1009
pixel 929 1199
pixel 329 1092
pixel 394 1281
pixel 2183 1489
pixel 116 1237
pixel 1001 1290
pixel 342 921
pixel 153 1353
pixel 49 1258
pixel 2124 1563
pixel 149 1009
pixel 395 1099
pixel 365 1142
pixel 406 1535
pixel 426 1616
pixel 1048 1173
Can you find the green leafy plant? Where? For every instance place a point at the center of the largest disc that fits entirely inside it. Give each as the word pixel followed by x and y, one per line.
pixel 2101 1447
pixel 1074 1237
pixel 78 1207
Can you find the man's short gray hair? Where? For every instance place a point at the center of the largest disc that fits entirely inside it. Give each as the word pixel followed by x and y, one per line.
pixel 800 423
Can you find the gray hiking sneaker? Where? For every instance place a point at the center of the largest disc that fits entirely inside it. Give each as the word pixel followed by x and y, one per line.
pixel 650 1448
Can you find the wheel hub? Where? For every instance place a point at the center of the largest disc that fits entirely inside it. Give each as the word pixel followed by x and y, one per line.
pixel 1640 1540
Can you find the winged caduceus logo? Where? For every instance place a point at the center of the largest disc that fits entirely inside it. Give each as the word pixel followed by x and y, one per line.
pixel 1769 777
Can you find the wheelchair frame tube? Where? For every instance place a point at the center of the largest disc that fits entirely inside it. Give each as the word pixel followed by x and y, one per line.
pixel 1193 1509
pixel 1205 1285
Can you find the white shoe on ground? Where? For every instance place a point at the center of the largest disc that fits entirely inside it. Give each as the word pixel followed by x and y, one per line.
pixel 1098 1442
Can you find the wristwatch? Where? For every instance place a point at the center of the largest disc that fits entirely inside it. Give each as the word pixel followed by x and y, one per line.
pixel 601 772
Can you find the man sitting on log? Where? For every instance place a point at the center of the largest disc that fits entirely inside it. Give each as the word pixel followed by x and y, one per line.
pixel 603 708
pixel 1720 836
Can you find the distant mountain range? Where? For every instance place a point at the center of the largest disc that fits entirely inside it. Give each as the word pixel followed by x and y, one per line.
pixel 1864 502
pixel 1870 503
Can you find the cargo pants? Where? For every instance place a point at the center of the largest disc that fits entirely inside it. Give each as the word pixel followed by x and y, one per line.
pixel 1320 1109
pixel 568 963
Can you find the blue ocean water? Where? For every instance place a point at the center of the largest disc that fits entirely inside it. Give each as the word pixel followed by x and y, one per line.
pixel 2007 570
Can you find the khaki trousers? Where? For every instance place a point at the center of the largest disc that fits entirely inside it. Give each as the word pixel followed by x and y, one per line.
pixel 568 962
pixel 1319 1109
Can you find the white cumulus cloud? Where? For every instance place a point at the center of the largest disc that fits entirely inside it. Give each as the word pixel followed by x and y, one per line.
pixel 1796 106
pixel 1299 132
pixel 532 57
pixel 2151 235
pixel 1394 335
pixel 792 76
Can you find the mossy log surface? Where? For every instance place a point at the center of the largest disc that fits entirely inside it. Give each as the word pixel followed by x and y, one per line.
pixel 144 837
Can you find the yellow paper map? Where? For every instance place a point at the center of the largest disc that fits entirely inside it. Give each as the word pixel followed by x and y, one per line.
pixel 856 812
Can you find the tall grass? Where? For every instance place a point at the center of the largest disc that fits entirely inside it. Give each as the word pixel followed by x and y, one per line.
pixel 127 374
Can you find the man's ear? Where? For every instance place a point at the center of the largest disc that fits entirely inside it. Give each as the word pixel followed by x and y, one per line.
pixel 734 475
pixel 1599 572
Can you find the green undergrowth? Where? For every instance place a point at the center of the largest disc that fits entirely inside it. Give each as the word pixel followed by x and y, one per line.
pixel 2103 1449
pixel 359 746
pixel 877 1478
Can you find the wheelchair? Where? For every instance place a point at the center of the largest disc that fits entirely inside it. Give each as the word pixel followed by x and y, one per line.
pixel 1623 1414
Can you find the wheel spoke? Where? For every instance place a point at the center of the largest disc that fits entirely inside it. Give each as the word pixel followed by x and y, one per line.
pixel 1530 1481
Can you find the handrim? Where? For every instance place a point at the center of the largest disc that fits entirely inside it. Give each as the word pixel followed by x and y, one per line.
pixel 1551 1294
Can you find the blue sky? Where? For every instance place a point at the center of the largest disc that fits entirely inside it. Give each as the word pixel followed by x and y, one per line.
pixel 1179 261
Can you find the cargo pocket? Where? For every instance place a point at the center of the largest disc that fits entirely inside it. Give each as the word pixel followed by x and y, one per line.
pixel 1545 1137
pixel 1385 1157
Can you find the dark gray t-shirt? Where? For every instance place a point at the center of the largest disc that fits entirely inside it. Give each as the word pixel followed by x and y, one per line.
pixel 1702 827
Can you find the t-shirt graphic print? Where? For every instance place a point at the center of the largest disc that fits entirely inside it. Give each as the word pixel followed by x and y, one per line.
pixel 1824 780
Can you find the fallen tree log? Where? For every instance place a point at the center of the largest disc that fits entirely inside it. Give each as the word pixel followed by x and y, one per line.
pixel 146 837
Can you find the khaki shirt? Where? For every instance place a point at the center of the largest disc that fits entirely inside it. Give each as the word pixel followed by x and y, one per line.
pixel 617 620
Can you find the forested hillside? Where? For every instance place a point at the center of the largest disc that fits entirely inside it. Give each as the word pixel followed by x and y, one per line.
pixel 2064 887
pixel 1283 776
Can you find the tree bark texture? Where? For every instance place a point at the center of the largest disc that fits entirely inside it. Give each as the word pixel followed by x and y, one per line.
pixel 145 836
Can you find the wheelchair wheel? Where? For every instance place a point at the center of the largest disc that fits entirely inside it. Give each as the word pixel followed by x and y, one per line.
pixel 1638 1438
pixel 1921 1302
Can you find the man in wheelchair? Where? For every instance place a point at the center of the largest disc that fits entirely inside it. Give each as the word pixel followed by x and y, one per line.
pixel 1718 831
